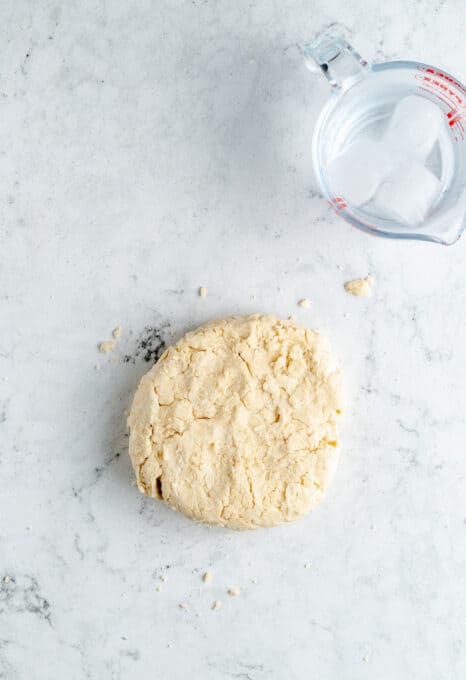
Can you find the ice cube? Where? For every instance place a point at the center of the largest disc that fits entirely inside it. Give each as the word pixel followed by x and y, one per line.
pixel 357 171
pixel 407 192
pixel 414 126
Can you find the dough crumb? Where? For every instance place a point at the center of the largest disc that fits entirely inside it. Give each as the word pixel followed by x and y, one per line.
pixel 184 605
pixel 133 482
pixel 6 579
pixel 202 291
pixel 305 303
pixel 217 605
pixel 114 360
pixel 117 332
pixel 360 287
pixel 234 591
pixel 208 576
pixel 107 346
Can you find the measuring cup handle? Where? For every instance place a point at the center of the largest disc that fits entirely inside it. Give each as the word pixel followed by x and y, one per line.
pixel 337 60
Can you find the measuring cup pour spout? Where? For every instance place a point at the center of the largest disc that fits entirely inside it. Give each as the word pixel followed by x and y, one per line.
pixel 338 61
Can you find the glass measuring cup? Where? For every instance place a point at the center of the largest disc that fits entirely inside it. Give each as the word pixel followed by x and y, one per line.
pixel 363 97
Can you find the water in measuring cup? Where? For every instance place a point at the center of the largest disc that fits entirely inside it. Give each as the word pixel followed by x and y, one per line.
pixel 395 165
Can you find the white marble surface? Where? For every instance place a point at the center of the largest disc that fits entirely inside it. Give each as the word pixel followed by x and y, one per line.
pixel 147 148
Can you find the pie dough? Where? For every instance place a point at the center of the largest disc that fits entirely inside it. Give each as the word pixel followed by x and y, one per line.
pixel 236 424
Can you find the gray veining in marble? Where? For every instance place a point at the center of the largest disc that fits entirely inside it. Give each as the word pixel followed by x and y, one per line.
pixel 147 148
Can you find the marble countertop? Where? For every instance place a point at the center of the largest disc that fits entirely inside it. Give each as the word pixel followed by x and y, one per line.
pixel 148 148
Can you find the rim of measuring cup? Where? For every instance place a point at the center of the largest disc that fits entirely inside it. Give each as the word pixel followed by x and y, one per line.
pixel 339 206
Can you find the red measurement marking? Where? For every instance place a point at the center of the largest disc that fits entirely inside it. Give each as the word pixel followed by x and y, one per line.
pixel 338 203
pixel 454 117
pixel 440 85
pixel 443 76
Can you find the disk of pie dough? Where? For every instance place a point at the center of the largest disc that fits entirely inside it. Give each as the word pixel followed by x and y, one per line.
pixel 236 424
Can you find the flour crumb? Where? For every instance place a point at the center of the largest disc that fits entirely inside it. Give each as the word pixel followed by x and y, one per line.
pixel 6 579
pixel 97 367
pixel 117 332
pixel 133 482
pixel 307 565
pixel 292 317
pixel 217 605
pixel 159 589
pixel 365 659
pixel 208 576
pixel 114 360
pixel 234 591
pixel 163 577
pixel 202 291
pixel 184 605
pixel 107 346
pixel 305 303
pixel 254 580
pixel 360 287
